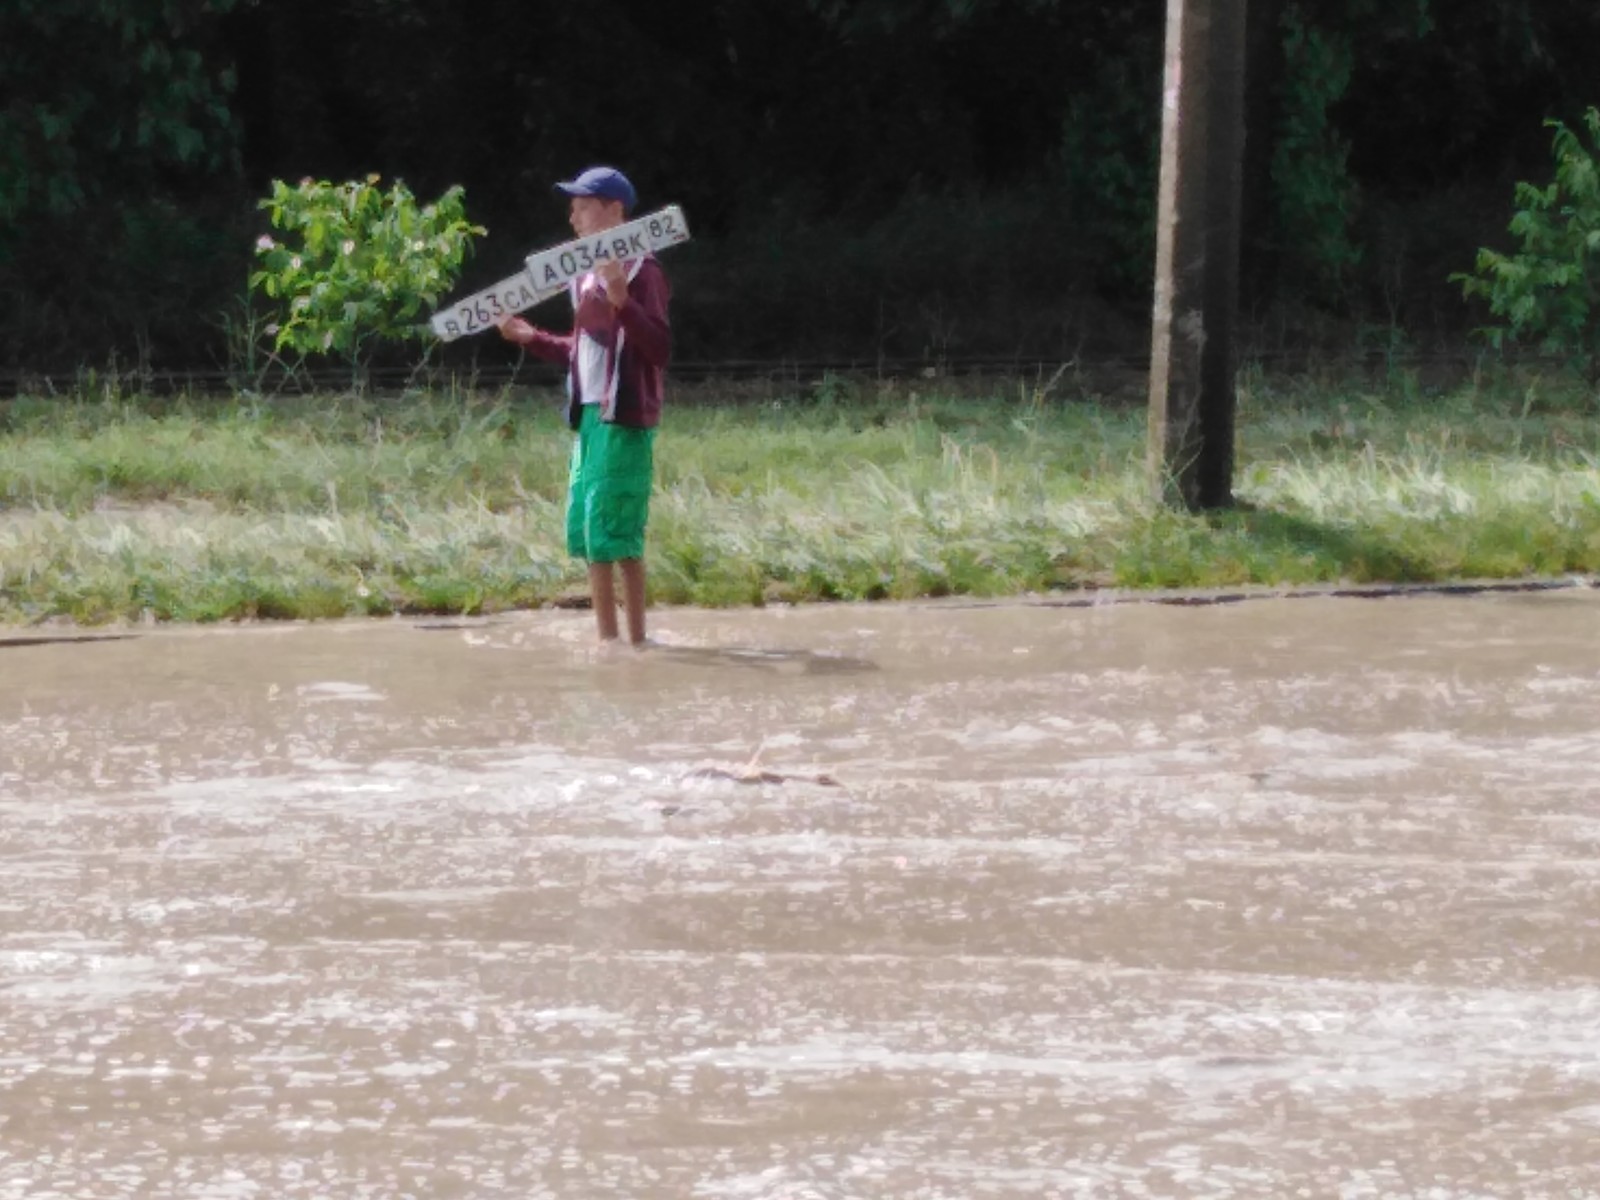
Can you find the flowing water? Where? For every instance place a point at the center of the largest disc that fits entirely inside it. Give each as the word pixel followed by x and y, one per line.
pixel 1285 898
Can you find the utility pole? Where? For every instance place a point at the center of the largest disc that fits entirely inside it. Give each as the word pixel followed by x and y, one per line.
pixel 1193 362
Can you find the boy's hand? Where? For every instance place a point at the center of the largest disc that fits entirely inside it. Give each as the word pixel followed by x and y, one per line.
pixel 615 280
pixel 515 329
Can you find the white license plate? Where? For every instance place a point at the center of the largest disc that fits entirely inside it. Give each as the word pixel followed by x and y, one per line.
pixel 560 265
pixel 489 307
pixel 549 272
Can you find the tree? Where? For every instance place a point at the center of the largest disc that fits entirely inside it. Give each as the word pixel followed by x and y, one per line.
pixel 1550 289
pixel 107 94
pixel 114 110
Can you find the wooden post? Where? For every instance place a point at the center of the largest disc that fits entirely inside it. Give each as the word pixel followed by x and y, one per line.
pixel 1193 364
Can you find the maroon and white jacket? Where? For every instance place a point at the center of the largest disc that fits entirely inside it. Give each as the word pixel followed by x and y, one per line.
pixel 638 344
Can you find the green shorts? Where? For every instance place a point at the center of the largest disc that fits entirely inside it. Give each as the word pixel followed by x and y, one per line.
pixel 608 493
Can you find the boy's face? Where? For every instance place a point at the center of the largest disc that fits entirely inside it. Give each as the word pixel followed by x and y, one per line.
pixel 592 214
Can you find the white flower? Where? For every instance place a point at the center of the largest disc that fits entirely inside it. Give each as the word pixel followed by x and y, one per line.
pixel 349 246
pixel 265 242
pixel 419 246
pixel 295 262
pixel 273 328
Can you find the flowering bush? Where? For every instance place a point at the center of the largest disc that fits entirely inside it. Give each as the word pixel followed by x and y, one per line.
pixel 354 265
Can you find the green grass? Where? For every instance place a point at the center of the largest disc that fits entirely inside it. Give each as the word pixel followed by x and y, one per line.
pixel 199 510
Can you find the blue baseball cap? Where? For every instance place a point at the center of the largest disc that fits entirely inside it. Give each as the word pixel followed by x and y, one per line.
pixel 608 183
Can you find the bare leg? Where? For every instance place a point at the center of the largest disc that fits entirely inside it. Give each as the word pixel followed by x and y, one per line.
pixel 633 597
pixel 603 595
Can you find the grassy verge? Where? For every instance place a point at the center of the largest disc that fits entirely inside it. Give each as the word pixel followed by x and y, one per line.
pixel 115 509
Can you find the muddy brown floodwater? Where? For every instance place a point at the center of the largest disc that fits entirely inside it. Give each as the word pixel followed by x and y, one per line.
pixel 1286 898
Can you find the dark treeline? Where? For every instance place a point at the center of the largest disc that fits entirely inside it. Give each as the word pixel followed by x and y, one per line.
pixel 886 178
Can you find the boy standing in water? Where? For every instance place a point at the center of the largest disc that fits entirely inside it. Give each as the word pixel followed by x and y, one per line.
pixel 616 358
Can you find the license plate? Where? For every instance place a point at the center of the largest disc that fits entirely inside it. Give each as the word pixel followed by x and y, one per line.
pixel 486 309
pixel 549 272
pixel 560 265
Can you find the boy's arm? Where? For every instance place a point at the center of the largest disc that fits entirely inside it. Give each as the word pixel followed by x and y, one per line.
pixel 541 343
pixel 643 313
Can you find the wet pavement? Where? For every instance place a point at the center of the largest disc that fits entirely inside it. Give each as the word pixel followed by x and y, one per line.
pixel 1269 899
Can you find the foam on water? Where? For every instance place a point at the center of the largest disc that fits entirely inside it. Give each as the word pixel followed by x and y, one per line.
pixel 1179 903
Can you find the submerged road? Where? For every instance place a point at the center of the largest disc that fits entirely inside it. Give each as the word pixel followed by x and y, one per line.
pixel 1271 899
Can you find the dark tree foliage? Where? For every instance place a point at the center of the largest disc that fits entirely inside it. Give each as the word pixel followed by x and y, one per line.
pixel 118 174
pixel 877 177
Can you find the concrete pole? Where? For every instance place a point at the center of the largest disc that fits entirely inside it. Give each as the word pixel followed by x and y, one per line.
pixel 1193 364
